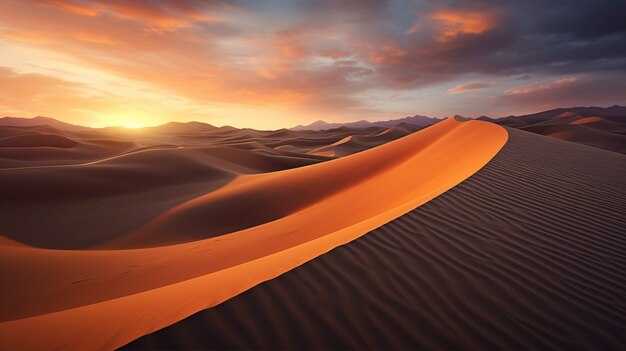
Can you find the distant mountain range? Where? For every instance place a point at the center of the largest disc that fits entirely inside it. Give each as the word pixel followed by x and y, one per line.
pixel 613 114
pixel 170 127
pixel 418 120
pixel 39 121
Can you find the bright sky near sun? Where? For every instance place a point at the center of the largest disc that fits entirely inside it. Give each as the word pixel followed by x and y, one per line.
pixel 272 64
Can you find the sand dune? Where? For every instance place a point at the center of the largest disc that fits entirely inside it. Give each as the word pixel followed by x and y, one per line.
pixel 582 134
pixel 602 124
pixel 603 128
pixel 275 221
pixel 45 145
pixel 112 181
pixel 35 140
pixel 587 120
pixel 111 234
pixel 355 143
pixel 40 121
pixel 111 197
pixel 528 253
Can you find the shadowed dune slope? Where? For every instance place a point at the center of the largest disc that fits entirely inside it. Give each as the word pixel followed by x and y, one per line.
pixel 35 140
pixel 603 128
pixel 103 299
pixel 602 124
pixel 45 145
pixel 582 134
pixel 356 143
pixel 528 253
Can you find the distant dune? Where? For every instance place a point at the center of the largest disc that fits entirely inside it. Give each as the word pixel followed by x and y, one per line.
pixel 43 145
pixel 40 121
pixel 34 140
pixel 421 121
pixel 582 134
pixel 603 128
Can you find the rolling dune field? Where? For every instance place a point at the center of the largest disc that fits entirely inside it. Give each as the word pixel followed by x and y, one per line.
pixel 78 290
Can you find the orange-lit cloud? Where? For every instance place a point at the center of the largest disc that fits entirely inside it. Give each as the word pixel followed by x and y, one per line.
pixel 599 89
pixel 454 23
pixel 79 9
pixel 98 39
pixel 28 94
pixel 448 23
pixel 538 87
pixel 461 88
pixel 25 37
pixel 166 15
pixel 387 52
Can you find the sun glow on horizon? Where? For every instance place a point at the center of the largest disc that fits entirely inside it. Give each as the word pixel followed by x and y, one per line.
pixel 132 124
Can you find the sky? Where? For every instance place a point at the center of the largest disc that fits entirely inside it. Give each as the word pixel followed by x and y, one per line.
pixel 273 63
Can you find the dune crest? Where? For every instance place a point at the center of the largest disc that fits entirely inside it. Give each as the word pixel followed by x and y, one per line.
pixel 93 299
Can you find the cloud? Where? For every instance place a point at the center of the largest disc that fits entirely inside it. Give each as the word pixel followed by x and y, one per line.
pixel 461 88
pixel 167 14
pixel 32 86
pixel 541 87
pixel 98 39
pixel 32 94
pixel 76 8
pixel 454 23
pixel 590 89
pixel 500 38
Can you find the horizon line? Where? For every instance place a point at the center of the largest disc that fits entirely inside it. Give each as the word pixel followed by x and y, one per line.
pixel 305 125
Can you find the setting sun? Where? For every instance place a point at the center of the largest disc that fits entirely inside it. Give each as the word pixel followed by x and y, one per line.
pixel 132 124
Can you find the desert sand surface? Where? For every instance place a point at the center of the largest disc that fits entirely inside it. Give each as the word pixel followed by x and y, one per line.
pixel 603 128
pixel 193 224
pixel 528 253
pixel 108 182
